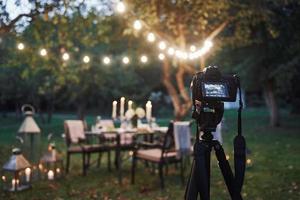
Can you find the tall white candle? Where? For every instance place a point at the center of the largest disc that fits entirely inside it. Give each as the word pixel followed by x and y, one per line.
pixel 114 110
pixel 130 105
pixel 122 104
pixel 13 184
pixel 148 110
pixel 50 175
pixel 27 173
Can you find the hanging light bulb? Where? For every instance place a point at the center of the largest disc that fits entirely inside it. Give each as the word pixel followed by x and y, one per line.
pixel 86 59
pixel 192 48
pixel 208 44
pixel 144 59
pixel 171 51
pixel 162 45
pixel 137 25
pixel 161 56
pixel 125 60
pixel 151 37
pixel 43 52
pixel 106 60
pixel 65 56
pixel 20 46
pixel 121 7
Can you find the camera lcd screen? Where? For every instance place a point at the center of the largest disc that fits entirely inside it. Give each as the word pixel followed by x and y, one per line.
pixel 218 90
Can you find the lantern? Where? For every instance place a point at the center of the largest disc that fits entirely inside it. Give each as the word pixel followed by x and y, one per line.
pixel 30 132
pixel 16 173
pixel 51 164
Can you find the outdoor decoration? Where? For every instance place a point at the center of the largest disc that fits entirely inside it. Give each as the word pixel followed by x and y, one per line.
pixel 132 116
pixel 30 132
pixel 51 164
pixel 16 172
pixel 149 111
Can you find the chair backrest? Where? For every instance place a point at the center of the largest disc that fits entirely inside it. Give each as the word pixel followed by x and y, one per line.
pixel 74 131
pixel 182 136
pixel 107 124
pixel 168 139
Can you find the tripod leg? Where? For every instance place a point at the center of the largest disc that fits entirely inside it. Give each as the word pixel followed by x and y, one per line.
pixel 226 171
pixel 191 192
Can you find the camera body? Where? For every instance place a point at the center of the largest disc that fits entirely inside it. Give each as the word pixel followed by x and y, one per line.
pixel 209 90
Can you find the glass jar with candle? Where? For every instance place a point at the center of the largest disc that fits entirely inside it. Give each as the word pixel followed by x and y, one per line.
pixel 16 173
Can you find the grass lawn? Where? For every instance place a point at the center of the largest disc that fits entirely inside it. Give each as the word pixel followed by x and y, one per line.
pixel 274 174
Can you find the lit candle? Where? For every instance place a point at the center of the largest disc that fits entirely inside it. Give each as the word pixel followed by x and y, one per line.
pixel 57 170
pixel 122 103
pixel 13 184
pixel 130 105
pixel 148 110
pixel 50 175
pixel 114 110
pixel 27 173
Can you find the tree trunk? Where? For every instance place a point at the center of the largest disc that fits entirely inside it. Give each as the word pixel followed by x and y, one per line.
pixel 271 103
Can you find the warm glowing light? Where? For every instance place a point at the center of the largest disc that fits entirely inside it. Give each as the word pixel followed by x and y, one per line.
pixel 57 170
pixel 121 7
pixel 4 178
pixel 130 153
pixel 40 166
pixel 192 48
pixel 162 45
pixel 171 51
pixel 65 56
pixel 43 52
pixel 137 25
pixel 86 59
pixel 21 46
pixel 227 157
pixel 161 56
pixel 208 44
pixel 106 60
pixel 151 37
pixel 125 60
pixel 249 161
pixel 144 59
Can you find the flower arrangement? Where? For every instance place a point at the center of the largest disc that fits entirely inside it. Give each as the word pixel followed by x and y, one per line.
pixel 133 115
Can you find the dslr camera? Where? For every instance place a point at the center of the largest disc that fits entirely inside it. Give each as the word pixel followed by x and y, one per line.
pixel 209 90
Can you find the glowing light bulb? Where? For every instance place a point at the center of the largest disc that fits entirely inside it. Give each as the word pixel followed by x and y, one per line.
pixel 151 37
pixel 144 59
pixel 161 56
pixel 86 59
pixel 121 7
pixel 43 52
pixel 192 48
pixel 137 25
pixel 65 56
pixel 208 44
pixel 171 51
pixel 106 60
pixel 125 60
pixel 21 46
pixel 162 45
pixel 249 161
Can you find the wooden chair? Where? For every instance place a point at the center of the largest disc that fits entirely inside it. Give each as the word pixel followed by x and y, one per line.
pixel 76 142
pixel 161 153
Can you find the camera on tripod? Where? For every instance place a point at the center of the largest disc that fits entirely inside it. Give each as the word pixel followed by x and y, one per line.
pixel 209 90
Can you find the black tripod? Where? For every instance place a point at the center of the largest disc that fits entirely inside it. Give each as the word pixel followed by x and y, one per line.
pixel 199 180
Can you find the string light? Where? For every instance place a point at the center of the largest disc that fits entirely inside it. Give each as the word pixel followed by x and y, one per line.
pixel 192 48
pixel 151 37
pixel 137 25
pixel 144 59
pixel 121 7
pixel 106 60
pixel 65 56
pixel 125 60
pixel 171 51
pixel 162 45
pixel 43 52
pixel 161 56
pixel 21 46
pixel 86 59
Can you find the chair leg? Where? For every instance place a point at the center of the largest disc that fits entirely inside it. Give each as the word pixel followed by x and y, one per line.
pixel 133 167
pixel 182 171
pixel 68 163
pixel 88 160
pixel 108 161
pixel 83 164
pixel 161 176
pixel 99 159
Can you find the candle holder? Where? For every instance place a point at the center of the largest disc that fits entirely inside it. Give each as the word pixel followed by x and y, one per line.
pixel 51 164
pixel 16 173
